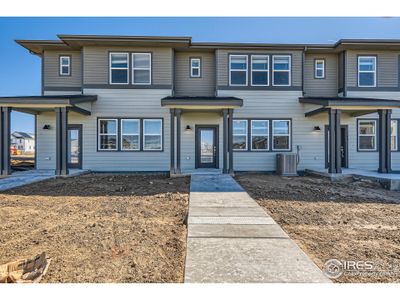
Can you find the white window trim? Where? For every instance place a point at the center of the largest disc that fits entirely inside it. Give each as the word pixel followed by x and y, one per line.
pixel 99 134
pixel 246 134
pixel 61 65
pixel 129 134
pixel 240 70
pixel 367 134
pixel 288 134
pixel 251 136
pixel 266 70
pixel 359 71
pixel 396 135
pixel 316 68
pixel 153 134
pixel 111 68
pixel 289 71
pixel 192 68
pixel 146 69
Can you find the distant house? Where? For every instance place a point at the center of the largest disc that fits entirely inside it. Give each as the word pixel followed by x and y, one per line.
pixel 22 141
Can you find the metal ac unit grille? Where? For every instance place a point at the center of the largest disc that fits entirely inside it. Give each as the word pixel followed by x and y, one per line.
pixel 286 164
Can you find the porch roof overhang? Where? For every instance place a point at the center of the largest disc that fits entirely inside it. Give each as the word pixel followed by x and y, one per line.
pixel 201 103
pixel 352 105
pixel 37 104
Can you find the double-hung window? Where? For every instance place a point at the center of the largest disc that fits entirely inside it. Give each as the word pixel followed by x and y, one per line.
pixel 130 134
pixel 259 135
pixel 141 68
pixel 107 139
pixel 65 65
pixel 366 135
pixel 240 134
pixel 319 68
pixel 259 70
pixel 281 69
pixel 366 71
pixel 238 70
pixel 394 137
pixel 152 134
pixel 195 67
pixel 280 134
pixel 119 68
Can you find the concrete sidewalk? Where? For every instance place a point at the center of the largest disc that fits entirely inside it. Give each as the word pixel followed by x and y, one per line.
pixel 232 239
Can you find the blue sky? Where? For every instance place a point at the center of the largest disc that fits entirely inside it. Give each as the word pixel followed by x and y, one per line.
pixel 20 71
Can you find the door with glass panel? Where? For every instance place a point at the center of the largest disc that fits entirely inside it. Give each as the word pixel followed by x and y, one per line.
pixel 206 146
pixel 74 146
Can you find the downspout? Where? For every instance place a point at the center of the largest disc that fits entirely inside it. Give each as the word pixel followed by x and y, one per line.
pixel 302 68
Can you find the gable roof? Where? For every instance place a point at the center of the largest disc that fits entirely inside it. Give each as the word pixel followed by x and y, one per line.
pixel 24 135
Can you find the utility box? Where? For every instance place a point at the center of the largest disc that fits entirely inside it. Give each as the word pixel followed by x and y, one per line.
pixel 286 164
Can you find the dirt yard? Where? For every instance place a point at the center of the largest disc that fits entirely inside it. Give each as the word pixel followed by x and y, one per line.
pixel 99 228
pixel 356 221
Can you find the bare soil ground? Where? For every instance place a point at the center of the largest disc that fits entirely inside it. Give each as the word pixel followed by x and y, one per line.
pixel 99 228
pixel 354 221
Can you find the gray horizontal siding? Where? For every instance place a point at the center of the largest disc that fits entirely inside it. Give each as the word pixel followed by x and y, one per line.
pixel 51 71
pixel 187 86
pixel 387 68
pixel 96 61
pixel 223 61
pixel 327 86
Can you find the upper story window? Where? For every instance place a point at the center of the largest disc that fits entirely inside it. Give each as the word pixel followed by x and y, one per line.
pixel 281 70
pixel 259 70
pixel 366 71
pixel 141 68
pixel 107 139
pixel 280 134
pixel 119 66
pixel 239 134
pixel 195 67
pixel 238 70
pixel 319 68
pixel 130 134
pixel 366 135
pixel 65 65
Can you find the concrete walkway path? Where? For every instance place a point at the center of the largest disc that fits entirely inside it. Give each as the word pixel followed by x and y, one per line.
pixel 232 239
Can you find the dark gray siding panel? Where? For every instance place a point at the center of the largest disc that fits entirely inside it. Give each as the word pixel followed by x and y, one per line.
pixel 387 71
pixel 51 71
pixel 96 63
pixel 341 71
pixel 327 86
pixel 187 86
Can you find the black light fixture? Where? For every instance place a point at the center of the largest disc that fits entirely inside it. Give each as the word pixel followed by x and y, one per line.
pixel 188 129
pixel 46 127
pixel 317 128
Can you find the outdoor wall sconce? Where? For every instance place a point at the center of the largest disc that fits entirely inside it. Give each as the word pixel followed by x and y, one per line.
pixel 188 129
pixel 317 128
pixel 46 127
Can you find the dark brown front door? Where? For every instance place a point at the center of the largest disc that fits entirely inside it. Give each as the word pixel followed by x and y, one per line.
pixel 74 146
pixel 206 146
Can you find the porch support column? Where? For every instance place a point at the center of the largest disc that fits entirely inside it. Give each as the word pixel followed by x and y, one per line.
pixel 230 141
pixel 225 142
pixel 178 141
pixel 335 161
pixel 172 144
pixel 61 141
pixel 385 165
pixel 5 166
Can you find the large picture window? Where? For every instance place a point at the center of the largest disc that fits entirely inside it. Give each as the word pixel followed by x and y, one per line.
pixel 259 70
pixel 108 129
pixel 119 68
pixel 367 135
pixel 130 134
pixel 366 71
pixel 259 134
pixel 238 70
pixel 281 70
pixel 280 135
pixel 141 68
pixel 240 134
pixel 152 134
pixel 394 137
